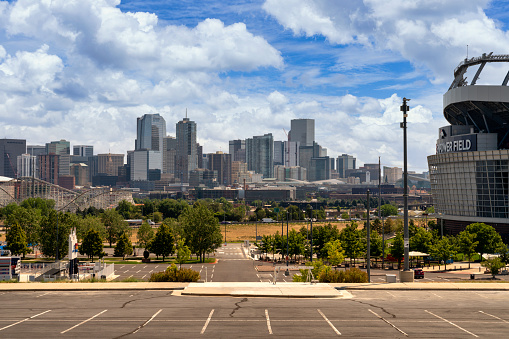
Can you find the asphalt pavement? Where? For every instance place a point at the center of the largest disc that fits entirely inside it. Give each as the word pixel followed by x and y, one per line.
pixel 157 314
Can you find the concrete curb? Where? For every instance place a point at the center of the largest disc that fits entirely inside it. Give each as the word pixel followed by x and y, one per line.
pixel 142 286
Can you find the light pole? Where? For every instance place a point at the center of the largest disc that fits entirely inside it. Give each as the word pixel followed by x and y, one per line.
pixel 405 108
pixel 380 209
pixel 287 245
pixel 368 241
pixel 311 220
pixel 56 257
pixel 224 222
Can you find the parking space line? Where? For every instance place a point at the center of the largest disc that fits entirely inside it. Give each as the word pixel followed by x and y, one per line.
pixel 84 321
pixel 392 295
pixel 146 322
pixel 43 294
pixel 145 266
pixel 328 322
pixel 450 322
pixel 21 321
pixel 268 321
pixel 436 295
pixel 207 322
pixel 494 316
pixel 143 276
pixel 388 322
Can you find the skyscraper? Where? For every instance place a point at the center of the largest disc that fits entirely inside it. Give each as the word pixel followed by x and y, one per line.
pixel 62 147
pixel 343 163
pixel 187 149
pixel 260 155
pixel 109 163
pixel 9 151
pixel 222 163
pixel 83 150
pixel 151 129
pixel 238 150
pixel 303 131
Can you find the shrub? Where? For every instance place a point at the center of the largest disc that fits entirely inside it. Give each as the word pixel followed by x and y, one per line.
pixel 173 274
pixel 352 275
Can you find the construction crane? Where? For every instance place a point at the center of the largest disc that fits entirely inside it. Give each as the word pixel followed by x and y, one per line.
pixel 12 167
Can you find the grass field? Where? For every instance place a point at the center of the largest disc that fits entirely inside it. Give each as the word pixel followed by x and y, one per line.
pixel 240 232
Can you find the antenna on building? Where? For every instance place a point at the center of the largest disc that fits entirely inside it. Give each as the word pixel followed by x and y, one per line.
pixel 467 51
pixel 186 113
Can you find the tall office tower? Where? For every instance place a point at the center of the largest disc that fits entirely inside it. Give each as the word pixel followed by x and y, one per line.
pixel 222 163
pixel 343 163
pixel 27 165
pixel 392 174
pixel 9 151
pixel 109 163
pixel 80 173
pixel 187 149
pixel 373 170
pixel 279 153
pixel 319 169
pixel 260 155
pixel 145 165
pixel 238 150
pixel 169 154
pixel 151 129
pixel 62 147
pixel 83 150
pixel 303 131
pixel 36 150
pixel 239 169
pixel 48 167
pixel 291 156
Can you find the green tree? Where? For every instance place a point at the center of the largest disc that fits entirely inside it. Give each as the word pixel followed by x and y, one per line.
pixel 398 248
pixel 335 252
pixel 48 233
pixel 88 223
pixel 488 238
pixel 29 219
pixel 443 250
pixel 467 244
pixel 202 230
pixel 145 235
pixel 125 209
pixel 92 244
pixel 183 252
pixel 172 208
pixel 115 225
pixel 494 265
pixel 388 210
pixel 16 240
pixel 421 241
pixel 124 246
pixel 351 241
pixel 163 242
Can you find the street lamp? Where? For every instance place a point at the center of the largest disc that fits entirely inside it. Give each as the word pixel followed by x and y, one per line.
pixel 368 241
pixel 287 245
pixel 405 108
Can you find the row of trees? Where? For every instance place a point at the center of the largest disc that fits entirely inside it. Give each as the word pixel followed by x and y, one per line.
pixel 332 245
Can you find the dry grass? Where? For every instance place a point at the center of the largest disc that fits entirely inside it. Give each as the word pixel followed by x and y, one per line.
pixel 240 232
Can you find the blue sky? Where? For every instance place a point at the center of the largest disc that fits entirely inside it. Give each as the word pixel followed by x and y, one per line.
pixel 84 70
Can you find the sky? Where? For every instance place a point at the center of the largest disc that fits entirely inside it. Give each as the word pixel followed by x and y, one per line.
pixel 84 70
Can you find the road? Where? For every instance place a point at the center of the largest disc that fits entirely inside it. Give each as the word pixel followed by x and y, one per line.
pixel 154 314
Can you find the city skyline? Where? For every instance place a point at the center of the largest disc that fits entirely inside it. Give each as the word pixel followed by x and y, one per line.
pixel 244 68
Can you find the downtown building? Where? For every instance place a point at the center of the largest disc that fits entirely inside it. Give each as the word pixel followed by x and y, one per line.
pixel 469 174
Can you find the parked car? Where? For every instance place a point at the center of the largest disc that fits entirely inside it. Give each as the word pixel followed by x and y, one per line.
pixel 418 273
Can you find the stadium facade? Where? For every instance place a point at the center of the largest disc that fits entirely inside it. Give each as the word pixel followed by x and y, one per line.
pixel 469 174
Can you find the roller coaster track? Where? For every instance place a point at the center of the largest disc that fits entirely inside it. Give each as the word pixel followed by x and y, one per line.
pixel 459 72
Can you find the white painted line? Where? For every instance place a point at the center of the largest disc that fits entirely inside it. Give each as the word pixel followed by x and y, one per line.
pixel 146 322
pixel 126 271
pixel 328 322
pixel 268 321
pixel 191 266
pixel 214 266
pixel 129 276
pixel 151 271
pixel 143 276
pixel 212 276
pixel 138 271
pixel 392 295
pixel 84 321
pixel 156 266
pixel 453 324
pixel 207 322
pixel 21 321
pixel 494 316
pixel 436 295
pixel 145 266
pixel 121 267
pixel 482 296
pixel 43 294
pixel 388 322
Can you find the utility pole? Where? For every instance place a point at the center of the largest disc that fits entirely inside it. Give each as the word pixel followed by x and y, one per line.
pixel 380 209
pixel 405 108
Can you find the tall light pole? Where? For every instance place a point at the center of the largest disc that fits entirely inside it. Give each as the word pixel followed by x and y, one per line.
pixel 311 220
pixel 380 209
pixel 368 229
pixel 287 245
pixel 405 108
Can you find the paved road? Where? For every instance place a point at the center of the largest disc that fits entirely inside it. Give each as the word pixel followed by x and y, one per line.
pixel 147 314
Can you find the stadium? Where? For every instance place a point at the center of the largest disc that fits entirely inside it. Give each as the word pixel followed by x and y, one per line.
pixel 469 172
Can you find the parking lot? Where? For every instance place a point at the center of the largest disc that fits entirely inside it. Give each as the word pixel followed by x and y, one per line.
pixel 115 314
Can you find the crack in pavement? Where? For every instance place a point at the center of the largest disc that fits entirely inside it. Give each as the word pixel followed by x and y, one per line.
pixel 374 306
pixel 237 306
pixel 130 301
